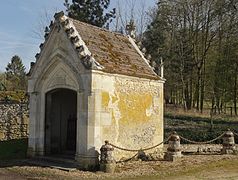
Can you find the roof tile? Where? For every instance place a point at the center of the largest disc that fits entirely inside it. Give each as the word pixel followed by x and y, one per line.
pixel 114 51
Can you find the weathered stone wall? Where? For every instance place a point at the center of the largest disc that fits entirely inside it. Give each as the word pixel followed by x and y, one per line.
pixel 14 120
pixel 130 110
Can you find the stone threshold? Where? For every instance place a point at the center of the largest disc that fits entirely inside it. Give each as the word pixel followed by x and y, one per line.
pixel 55 162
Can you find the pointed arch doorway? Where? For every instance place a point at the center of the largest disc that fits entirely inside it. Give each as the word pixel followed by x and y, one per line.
pixel 60 122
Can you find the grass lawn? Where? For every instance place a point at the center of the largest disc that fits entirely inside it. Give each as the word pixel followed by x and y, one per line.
pixel 224 169
pixel 198 128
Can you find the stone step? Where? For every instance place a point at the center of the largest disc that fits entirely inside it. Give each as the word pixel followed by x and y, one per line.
pixel 54 162
pixel 59 159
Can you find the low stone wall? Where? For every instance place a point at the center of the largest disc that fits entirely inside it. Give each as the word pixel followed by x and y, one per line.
pixel 14 119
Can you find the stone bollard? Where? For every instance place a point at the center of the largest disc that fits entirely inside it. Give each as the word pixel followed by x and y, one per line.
pixel 107 162
pixel 228 144
pixel 173 150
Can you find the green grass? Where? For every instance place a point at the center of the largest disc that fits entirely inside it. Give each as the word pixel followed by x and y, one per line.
pixel 190 117
pixel 198 128
pixel 12 149
pixel 196 171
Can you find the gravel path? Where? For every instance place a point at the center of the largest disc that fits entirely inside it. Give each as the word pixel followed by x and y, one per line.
pixel 188 167
pixel 6 175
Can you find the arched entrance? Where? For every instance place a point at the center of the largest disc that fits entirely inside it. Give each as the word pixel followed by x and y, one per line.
pixel 60 122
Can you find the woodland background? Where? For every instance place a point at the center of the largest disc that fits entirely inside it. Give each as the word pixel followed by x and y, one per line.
pixel 197 40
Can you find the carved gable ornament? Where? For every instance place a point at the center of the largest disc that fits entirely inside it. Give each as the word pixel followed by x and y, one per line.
pixel 99 49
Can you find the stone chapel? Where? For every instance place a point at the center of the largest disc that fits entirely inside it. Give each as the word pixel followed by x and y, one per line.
pixel 89 85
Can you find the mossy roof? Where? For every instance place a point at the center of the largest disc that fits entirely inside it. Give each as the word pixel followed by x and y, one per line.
pixel 114 51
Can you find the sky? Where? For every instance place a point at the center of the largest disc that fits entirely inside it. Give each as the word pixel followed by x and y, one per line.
pixel 20 19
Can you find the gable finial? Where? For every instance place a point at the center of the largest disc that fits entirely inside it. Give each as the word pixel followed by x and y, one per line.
pixel 58 15
pixel 161 68
pixel 131 29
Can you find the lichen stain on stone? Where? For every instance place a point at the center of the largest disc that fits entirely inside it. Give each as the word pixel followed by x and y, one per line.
pixel 105 99
pixel 134 112
pixel 114 99
pixel 133 107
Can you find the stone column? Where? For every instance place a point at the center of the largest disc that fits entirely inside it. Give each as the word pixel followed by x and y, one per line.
pixel 174 149
pixel 81 139
pixel 41 125
pixel 36 125
pixel 107 162
pixel 88 130
pixel 32 141
pixel 228 143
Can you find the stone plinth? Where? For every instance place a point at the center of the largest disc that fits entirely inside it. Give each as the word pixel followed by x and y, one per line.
pixel 174 150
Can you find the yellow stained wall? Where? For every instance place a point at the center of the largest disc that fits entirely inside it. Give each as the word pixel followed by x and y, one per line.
pixel 133 107
pixel 131 111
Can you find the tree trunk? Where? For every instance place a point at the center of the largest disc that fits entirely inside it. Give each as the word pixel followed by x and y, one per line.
pixel 235 92
pixel 202 87
pixel 197 90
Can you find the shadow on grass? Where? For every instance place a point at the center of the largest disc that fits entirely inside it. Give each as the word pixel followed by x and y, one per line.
pixel 12 152
pixel 13 149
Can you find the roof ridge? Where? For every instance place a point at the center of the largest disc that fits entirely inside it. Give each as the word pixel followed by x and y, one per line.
pixel 117 54
pixel 96 27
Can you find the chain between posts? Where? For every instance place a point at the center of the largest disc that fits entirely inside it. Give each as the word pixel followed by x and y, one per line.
pixel 136 150
pixel 235 133
pixel 205 142
pixel 183 138
pixel 126 160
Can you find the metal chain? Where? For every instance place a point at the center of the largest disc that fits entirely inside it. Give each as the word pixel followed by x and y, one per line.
pixel 183 138
pixel 126 160
pixel 235 133
pixel 136 150
pixel 205 142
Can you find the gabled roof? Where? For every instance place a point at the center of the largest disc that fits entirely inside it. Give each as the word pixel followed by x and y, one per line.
pixel 104 50
pixel 114 51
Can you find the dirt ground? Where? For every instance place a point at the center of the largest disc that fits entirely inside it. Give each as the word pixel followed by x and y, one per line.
pixel 188 167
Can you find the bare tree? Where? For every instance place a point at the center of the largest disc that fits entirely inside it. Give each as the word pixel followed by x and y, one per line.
pixel 45 17
pixel 141 21
pixel 135 10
